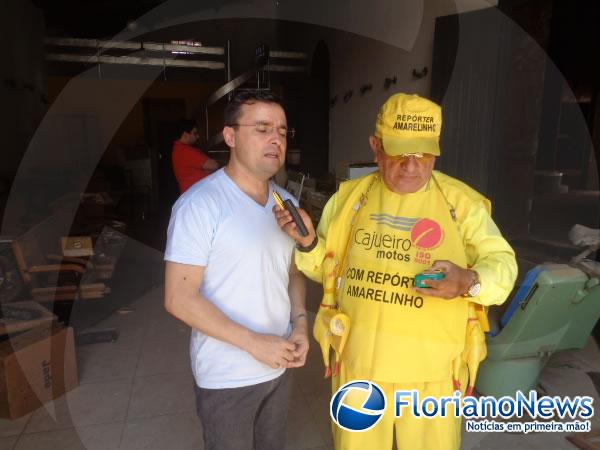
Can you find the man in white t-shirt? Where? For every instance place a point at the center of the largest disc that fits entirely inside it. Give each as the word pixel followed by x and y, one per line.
pixel 230 275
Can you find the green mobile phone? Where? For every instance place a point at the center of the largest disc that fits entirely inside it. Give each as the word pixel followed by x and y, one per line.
pixel 428 276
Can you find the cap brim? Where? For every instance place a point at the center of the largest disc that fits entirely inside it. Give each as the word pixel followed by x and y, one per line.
pixel 395 146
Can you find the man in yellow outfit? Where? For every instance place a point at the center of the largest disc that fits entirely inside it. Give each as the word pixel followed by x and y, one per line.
pixel 382 230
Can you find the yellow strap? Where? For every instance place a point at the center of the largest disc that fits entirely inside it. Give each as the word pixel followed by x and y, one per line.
pixel 481 312
pixel 354 221
pixel 323 305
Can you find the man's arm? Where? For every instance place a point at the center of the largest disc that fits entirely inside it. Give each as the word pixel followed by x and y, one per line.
pixel 299 319
pixel 201 160
pixel 184 301
pixel 492 257
pixel 210 165
pixel 488 254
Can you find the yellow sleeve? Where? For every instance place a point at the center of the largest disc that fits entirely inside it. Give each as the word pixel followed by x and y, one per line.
pixel 309 263
pixel 489 255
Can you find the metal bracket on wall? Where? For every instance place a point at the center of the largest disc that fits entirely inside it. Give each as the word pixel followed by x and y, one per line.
pixel 388 82
pixel 421 74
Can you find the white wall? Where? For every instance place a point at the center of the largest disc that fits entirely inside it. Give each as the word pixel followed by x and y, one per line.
pixel 398 36
pixel 356 60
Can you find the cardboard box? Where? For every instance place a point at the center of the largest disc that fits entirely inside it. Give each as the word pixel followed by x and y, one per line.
pixel 36 366
pixel 76 246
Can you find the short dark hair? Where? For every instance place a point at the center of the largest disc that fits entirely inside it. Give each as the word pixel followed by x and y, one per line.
pixel 184 126
pixel 232 110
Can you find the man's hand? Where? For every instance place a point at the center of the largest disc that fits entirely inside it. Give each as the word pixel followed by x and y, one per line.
pixel 457 281
pixel 287 224
pixel 271 350
pixel 299 338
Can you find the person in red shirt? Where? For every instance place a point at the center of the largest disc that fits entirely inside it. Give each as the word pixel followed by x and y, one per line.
pixel 190 164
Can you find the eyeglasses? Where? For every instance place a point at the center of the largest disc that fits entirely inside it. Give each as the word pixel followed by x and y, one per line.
pixel 420 158
pixel 262 128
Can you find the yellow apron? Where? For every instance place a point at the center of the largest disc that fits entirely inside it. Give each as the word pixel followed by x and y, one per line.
pixel 398 335
pixel 396 340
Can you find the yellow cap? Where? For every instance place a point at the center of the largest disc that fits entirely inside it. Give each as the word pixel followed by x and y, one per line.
pixel 409 124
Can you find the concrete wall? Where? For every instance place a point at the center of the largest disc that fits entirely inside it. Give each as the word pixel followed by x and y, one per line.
pixel 368 41
pixel 356 60
pixel 131 131
pixel 23 90
pixel 22 80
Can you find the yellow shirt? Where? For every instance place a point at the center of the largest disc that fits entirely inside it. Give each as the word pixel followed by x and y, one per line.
pixel 397 334
pixel 487 251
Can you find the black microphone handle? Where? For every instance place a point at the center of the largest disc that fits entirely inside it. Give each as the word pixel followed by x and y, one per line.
pixel 297 219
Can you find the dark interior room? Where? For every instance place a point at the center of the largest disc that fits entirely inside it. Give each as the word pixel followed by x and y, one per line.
pixel 94 95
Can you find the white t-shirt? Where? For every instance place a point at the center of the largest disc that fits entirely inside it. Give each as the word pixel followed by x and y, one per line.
pixel 247 259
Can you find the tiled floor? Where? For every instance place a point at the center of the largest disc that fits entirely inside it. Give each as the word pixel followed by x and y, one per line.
pixel 136 393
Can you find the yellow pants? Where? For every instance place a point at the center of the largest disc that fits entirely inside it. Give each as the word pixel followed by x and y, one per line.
pixel 412 433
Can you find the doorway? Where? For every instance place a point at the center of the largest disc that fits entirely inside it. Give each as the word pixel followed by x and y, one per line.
pixel 160 117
